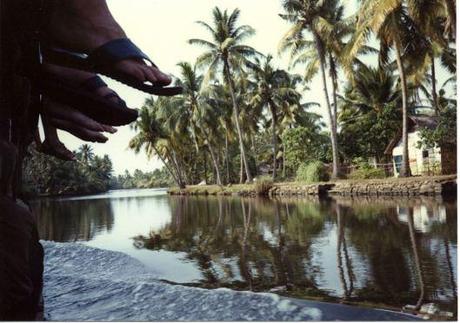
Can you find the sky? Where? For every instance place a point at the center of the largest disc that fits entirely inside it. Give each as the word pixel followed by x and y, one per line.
pixel 161 29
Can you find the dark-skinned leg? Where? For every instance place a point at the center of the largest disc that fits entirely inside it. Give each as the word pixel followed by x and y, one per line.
pixel 84 25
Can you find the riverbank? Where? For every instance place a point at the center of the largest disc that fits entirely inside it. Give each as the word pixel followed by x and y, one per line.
pixel 412 186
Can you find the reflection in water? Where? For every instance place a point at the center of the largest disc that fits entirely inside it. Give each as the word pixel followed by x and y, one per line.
pixel 386 251
pixel 73 220
pixel 341 242
pixel 284 245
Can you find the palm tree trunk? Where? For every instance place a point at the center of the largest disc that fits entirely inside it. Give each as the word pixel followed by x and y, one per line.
pixel 226 159
pixel 241 169
pixel 167 166
pixel 405 167
pixel 213 157
pixel 335 145
pixel 284 162
pixel 216 165
pixel 253 147
pixel 177 167
pixel 205 168
pixel 274 139
pixel 434 92
pixel 335 161
pixel 237 123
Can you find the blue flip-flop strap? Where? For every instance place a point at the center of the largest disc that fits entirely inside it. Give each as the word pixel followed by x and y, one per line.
pixel 115 51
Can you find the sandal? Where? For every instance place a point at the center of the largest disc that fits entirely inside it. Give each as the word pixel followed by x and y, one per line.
pixel 83 99
pixel 102 60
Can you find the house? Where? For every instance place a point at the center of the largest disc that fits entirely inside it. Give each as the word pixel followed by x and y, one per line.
pixel 422 161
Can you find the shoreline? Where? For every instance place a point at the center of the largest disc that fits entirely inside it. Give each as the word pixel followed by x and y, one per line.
pixel 445 185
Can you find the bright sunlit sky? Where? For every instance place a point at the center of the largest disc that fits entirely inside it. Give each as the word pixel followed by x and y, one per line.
pixel 161 29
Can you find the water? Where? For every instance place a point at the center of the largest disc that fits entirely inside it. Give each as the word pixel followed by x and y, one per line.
pixel 386 252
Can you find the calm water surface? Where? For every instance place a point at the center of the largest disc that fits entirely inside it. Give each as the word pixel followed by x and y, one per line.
pixel 389 252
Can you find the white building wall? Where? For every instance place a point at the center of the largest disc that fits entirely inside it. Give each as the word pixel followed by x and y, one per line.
pixel 418 164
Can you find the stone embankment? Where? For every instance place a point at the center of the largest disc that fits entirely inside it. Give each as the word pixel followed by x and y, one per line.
pixel 414 186
pixel 320 189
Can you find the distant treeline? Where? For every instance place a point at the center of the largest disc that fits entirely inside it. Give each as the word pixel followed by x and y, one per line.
pixel 89 174
pixel 45 175
pixel 139 179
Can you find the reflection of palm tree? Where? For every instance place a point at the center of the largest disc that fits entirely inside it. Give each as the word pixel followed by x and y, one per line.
pixel 451 270
pixel 410 221
pixel 245 270
pixel 341 242
pixel 218 233
pixel 285 270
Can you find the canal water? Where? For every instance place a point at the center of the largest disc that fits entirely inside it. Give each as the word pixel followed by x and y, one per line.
pixel 384 252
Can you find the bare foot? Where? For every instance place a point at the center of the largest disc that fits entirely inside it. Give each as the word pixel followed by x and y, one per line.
pixel 55 115
pixel 84 25
pixel 73 121
pixel 77 78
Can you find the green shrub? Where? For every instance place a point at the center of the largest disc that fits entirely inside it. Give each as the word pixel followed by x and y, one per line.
pixel 366 171
pixel 263 184
pixel 312 172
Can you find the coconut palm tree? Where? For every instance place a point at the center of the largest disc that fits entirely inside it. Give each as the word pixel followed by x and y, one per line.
pixel 394 27
pixel 218 97
pixel 150 136
pixel 323 21
pixel 86 152
pixel 226 53
pixel 433 19
pixel 369 113
pixel 272 89
pixel 200 119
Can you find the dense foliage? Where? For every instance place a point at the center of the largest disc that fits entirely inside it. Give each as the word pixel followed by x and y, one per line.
pixel 302 145
pixel 47 175
pixel 444 135
pixel 242 116
pixel 312 172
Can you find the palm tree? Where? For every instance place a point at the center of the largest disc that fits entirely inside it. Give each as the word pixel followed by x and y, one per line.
pixel 218 97
pixel 432 17
pixel 86 152
pixel 226 53
pixel 391 23
pixel 201 119
pixel 323 20
pixel 149 135
pixel 369 111
pixel 271 89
